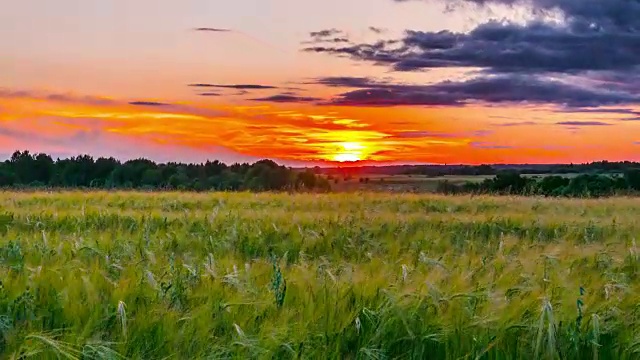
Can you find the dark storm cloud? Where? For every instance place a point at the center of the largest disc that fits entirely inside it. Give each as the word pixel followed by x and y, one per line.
pixel 604 31
pixel 589 58
pixel 583 123
pixel 503 47
pixel 505 88
pixel 621 14
pixel 594 34
pixel 235 86
pixel 147 103
pixel 287 98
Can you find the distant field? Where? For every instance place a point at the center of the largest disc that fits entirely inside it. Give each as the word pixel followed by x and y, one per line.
pixel 368 276
pixel 413 183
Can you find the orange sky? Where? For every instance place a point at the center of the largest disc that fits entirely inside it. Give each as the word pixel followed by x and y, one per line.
pixel 71 70
pixel 311 134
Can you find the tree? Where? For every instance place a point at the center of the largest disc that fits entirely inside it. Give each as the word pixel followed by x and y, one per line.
pixel 25 169
pixel 632 179
pixel 7 177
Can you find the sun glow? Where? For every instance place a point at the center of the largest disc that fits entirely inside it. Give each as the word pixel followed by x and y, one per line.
pixel 347 157
pixel 349 152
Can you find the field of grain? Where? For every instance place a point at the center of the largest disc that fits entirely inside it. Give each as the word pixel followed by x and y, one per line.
pixel 276 276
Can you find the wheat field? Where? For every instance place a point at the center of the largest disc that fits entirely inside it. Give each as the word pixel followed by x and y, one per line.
pixel 133 275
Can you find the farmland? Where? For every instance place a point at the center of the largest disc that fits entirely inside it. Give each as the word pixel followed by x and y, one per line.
pixel 413 183
pixel 115 275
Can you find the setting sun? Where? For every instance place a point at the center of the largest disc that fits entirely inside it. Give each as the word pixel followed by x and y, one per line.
pixel 349 152
pixel 347 158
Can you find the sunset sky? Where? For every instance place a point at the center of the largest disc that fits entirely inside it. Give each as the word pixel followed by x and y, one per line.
pixel 322 82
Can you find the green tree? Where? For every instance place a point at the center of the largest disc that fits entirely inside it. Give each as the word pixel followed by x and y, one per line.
pixel 632 179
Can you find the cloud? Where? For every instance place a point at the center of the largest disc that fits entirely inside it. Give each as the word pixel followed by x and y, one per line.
pixel 287 98
pixel 102 143
pixel 635 115
pixel 583 123
pixel 636 143
pixel 57 97
pixel 147 103
pixel 502 47
pixel 210 29
pixel 235 86
pixel 348 82
pixel 487 145
pixel 328 36
pixel 325 33
pixel 377 30
pixel 589 45
pixel 595 14
pixel 621 111
pixel 164 110
pixel 337 40
pixel 424 134
pixel 482 133
pixel 208 94
pixel 503 88
pixel 513 124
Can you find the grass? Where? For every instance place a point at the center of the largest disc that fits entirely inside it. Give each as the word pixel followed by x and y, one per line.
pixel 365 276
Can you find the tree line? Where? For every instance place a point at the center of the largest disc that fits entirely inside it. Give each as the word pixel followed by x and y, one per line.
pixel 583 185
pixel 598 167
pixel 27 170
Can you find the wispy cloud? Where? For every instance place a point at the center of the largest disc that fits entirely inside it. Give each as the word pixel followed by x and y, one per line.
pixel 325 33
pixel 517 123
pixel 424 134
pixel 495 89
pixel 329 36
pixel 583 123
pixel 235 86
pixel 211 29
pixel 57 97
pixel 487 145
pixel 287 98
pixel 147 103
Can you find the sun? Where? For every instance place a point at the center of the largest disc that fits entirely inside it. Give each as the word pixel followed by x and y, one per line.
pixel 346 157
pixel 349 152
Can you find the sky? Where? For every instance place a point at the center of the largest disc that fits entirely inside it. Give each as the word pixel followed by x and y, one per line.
pixel 323 82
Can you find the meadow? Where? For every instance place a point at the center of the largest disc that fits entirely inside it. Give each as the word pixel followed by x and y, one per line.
pixel 134 275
